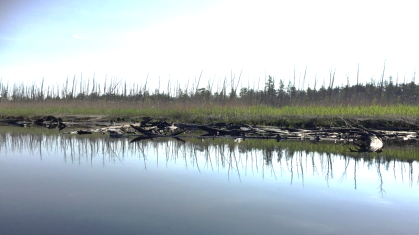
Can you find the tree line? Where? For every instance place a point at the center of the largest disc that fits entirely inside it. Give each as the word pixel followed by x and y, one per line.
pixel 272 92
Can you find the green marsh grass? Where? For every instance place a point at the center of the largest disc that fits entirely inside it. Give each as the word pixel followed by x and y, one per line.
pixel 287 116
pixel 211 113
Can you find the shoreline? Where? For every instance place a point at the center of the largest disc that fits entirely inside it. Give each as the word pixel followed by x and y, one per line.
pixel 285 121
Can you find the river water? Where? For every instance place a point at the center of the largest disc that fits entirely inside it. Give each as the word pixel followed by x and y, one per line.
pixel 65 184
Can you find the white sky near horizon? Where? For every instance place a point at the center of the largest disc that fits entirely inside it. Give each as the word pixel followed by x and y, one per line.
pixel 176 40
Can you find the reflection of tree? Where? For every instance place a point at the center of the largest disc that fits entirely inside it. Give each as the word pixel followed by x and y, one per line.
pixel 329 171
pixel 267 156
pixel 237 165
pixel 313 164
pixel 394 169
pixel 279 159
pixel 290 168
pixel 355 167
pixel 195 159
pixel 300 159
pixel 410 173
pixel 141 148
pixel 208 161
pixel 380 176
pixel 343 176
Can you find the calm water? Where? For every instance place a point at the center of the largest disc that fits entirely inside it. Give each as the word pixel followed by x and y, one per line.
pixel 56 184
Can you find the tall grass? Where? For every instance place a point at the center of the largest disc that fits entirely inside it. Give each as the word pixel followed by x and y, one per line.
pixel 259 114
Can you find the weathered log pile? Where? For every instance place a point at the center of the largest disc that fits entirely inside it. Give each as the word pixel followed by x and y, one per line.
pixel 362 139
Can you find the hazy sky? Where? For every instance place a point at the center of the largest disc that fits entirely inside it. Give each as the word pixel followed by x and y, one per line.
pixel 178 39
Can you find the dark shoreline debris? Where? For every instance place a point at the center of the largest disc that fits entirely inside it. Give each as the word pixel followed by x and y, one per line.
pixel 362 139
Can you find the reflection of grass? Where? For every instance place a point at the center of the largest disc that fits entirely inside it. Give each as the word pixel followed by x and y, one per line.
pixel 15 131
pixel 391 152
pixel 212 113
pixel 401 153
pixel 26 131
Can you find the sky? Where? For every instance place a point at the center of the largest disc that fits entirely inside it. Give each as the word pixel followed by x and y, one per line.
pixel 176 40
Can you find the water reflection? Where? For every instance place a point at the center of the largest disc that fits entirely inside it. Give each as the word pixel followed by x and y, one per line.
pixel 293 161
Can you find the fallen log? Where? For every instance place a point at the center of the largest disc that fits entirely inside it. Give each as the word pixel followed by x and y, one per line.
pixel 145 137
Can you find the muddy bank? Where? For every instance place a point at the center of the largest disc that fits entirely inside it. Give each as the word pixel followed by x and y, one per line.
pixel 390 123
